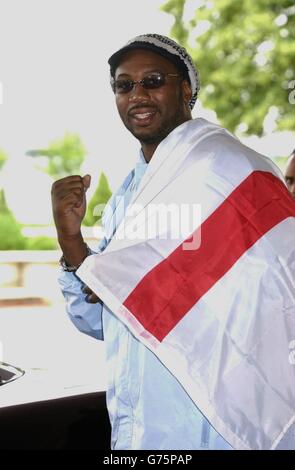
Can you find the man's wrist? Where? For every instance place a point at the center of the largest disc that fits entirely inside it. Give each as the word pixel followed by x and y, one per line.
pixel 69 239
pixel 74 249
pixel 73 268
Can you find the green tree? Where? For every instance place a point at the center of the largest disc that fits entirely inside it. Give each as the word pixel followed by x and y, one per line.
pixel 99 198
pixel 3 158
pixel 11 237
pixel 41 243
pixel 65 156
pixel 245 53
pixel 3 205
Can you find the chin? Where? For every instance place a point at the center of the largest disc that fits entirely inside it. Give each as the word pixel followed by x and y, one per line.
pixel 146 136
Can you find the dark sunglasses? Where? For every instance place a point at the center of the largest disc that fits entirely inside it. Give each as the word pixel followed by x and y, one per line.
pixel 149 82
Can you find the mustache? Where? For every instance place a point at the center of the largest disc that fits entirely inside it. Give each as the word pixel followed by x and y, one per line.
pixel 140 106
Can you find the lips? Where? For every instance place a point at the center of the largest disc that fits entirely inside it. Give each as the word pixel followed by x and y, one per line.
pixel 143 116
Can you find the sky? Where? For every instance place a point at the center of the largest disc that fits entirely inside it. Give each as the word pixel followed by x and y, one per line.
pixel 54 78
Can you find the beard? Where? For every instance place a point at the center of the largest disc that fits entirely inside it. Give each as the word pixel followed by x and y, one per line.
pixel 155 137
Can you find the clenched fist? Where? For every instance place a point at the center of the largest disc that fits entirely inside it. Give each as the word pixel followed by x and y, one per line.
pixel 69 207
pixel 69 204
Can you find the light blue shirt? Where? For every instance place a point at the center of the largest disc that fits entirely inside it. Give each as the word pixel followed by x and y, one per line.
pixel 148 407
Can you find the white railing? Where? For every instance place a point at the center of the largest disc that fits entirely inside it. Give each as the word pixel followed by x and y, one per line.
pixel 28 275
pixel 33 273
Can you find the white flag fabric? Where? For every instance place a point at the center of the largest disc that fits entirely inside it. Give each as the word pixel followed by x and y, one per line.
pixel 216 302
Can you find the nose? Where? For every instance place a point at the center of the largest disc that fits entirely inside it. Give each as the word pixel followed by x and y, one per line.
pixel 138 93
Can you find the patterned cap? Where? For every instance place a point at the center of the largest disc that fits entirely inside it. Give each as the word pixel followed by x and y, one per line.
pixel 167 48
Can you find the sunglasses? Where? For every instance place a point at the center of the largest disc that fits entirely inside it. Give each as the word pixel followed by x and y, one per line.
pixel 149 82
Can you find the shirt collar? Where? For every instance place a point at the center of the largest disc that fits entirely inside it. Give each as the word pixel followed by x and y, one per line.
pixel 140 168
pixel 141 158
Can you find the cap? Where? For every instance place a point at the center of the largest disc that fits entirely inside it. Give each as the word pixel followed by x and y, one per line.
pixel 167 48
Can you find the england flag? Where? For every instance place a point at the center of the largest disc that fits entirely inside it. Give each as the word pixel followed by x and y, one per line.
pixel 202 271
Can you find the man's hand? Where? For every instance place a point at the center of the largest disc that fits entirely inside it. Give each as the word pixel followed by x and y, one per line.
pixel 69 208
pixel 69 204
pixel 90 297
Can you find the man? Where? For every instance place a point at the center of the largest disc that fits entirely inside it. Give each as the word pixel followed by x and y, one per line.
pixel 290 174
pixel 165 385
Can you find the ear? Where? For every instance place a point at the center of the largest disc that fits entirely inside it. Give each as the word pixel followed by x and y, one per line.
pixel 186 91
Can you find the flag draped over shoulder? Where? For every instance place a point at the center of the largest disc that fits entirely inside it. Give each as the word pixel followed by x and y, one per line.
pixel 220 313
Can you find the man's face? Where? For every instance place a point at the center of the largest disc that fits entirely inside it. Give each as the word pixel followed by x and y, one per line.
pixel 151 114
pixel 290 175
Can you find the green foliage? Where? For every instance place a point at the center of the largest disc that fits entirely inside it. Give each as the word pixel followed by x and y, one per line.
pixel 41 243
pixel 176 8
pixel 3 158
pixel 99 198
pixel 245 56
pixel 11 237
pixel 3 205
pixel 65 156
